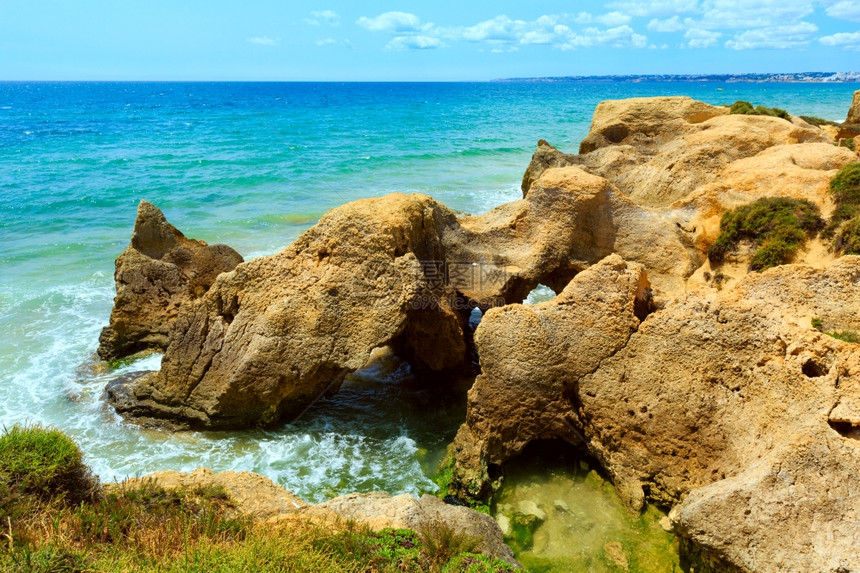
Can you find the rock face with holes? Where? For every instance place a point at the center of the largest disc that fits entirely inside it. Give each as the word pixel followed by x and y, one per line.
pixel 157 273
pixel 532 355
pixel 729 407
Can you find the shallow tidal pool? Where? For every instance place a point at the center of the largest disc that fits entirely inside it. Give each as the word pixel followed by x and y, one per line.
pixel 560 515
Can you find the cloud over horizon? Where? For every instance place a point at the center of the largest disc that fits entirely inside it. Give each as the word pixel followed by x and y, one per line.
pixel 695 24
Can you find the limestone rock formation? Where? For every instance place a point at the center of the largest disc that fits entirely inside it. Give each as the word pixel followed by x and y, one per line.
pixel 531 355
pixel 796 171
pixel 274 335
pixel 157 273
pixel 545 157
pixel 728 406
pixel 278 332
pixel 658 150
pixel 710 384
pixel 854 111
pixel 267 502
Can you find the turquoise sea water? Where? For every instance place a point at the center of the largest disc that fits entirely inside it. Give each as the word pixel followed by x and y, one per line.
pixel 253 165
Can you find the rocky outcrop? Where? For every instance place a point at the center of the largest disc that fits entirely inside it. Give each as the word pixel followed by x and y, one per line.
pixel 728 406
pixel 268 503
pixel 710 384
pixel 157 273
pixel 532 355
pixel 545 157
pixel 658 150
pixel 854 111
pixel 278 332
pixel 796 171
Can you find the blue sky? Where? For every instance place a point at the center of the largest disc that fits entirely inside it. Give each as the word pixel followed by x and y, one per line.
pixel 441 40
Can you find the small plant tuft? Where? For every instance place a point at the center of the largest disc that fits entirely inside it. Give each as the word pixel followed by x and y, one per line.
pixel 817 121
pixel 776 226
pixel 817 324
pixel 846 336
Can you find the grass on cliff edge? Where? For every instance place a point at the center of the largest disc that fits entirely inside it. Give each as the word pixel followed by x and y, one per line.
pixel 776 227
pixel 54 517
pixel 844 226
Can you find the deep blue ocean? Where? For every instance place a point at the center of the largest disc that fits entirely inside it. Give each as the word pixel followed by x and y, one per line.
pixel 253 165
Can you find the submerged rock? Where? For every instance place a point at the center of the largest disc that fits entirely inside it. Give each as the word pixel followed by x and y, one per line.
pixel 157 273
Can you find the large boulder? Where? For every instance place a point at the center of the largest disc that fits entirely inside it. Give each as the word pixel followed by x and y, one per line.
pixel 532 355
pixel 155 275
pixel 278 332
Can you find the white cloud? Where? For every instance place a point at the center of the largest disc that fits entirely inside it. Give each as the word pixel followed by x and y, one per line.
pixel 614 18
pixel 318 17
pixel 499 29
pixel 672 24
pixel 264 41
pixel 503 33
pixel 795 35
pixel 643 8
pixel 849 41
pixel 333 42
pixel 698 38
pixel 619 37
pixel 746 14
pixel 401 43
pixel 396 22
pixel 845 10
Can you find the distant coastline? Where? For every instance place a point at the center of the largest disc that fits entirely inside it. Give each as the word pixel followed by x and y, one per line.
pixel 805 77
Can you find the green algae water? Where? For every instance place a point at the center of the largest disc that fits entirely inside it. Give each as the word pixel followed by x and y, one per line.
pixel 561 516
pixel 253 165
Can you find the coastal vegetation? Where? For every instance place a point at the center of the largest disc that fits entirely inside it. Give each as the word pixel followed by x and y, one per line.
pixel 57 518
pixel 844 225
pixel 746 108
pixel 775 226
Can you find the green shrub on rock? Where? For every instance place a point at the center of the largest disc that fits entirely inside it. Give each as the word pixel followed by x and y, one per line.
pixel 844 226
pixel 43 463
pixel 746 108
pixel 776 226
